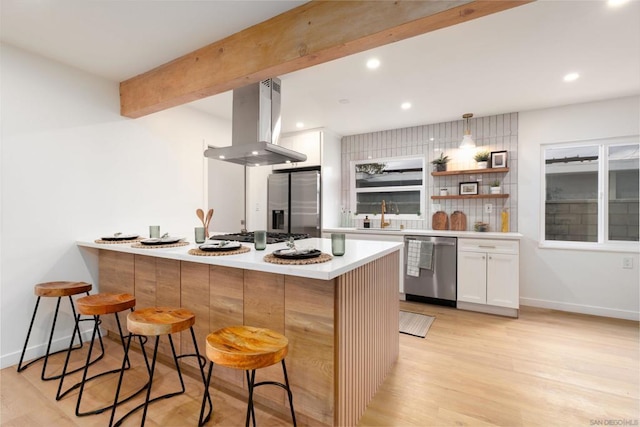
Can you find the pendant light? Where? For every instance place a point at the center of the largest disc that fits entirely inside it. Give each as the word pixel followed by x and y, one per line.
pixel 467 139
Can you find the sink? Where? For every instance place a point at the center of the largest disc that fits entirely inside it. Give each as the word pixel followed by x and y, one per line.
pixel 380 229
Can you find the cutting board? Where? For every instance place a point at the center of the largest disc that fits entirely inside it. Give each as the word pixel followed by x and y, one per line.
pixel 440 221
pixel 458 221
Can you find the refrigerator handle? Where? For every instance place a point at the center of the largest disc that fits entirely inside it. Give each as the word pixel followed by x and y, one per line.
pixel 318 201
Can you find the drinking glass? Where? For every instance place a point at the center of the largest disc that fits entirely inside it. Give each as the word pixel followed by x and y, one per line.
pixel 337 244
pixel 154 231
pixel 260 240
pixel 200 238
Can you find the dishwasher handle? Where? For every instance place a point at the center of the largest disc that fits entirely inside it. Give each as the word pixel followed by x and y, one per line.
pixel 434 243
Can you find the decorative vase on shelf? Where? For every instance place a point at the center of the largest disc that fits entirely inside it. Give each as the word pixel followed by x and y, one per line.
pixel 496 190
pixel 505 221
pixel 482 165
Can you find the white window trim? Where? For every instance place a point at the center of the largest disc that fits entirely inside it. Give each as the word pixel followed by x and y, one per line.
pixel 603 244
pixel 353 191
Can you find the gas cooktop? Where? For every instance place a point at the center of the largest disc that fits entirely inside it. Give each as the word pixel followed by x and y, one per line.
pixel 271 237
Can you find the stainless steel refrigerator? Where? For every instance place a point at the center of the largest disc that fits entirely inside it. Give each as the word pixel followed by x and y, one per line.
pixel 293 203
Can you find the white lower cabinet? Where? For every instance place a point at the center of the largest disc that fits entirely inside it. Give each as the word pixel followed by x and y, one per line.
pixel 488 276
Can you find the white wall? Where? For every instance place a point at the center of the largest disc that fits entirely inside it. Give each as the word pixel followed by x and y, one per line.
pixel 72 168
pixel 592 282
pixel 226 193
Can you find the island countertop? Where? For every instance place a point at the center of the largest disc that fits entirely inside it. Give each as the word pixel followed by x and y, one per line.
pixel 357 253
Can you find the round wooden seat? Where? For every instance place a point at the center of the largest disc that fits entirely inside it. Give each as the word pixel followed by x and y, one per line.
pixel 159 320
pixel 60 289
pixel 99 304
pixel 246 347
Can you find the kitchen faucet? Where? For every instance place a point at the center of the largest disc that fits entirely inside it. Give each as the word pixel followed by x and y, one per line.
pixel 383 208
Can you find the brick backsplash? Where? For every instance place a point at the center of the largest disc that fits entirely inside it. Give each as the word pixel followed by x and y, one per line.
pixel 492 133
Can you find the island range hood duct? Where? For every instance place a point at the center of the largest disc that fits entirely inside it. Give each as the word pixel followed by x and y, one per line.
pixel 256 128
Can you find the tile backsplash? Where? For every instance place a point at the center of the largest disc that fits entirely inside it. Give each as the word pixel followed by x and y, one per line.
pixel 492 133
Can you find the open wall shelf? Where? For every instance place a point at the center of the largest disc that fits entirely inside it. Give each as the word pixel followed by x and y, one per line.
pixel 473 196
pixel 471 171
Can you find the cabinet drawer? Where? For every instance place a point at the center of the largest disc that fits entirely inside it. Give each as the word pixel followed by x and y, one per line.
pixel 489 246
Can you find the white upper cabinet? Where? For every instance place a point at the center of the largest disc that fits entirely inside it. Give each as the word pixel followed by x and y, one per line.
pixel 309 143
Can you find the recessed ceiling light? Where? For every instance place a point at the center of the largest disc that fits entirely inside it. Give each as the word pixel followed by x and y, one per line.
pixel 257 164
pixel 405 105
pixel 373 63
pixel 616 3
pixel 431 139
pixel 299 125
pixel 255 153
pixel 571 77
pixel 221 156
pixel 287 161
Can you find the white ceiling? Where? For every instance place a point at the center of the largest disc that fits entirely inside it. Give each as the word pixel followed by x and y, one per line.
pixel 506 62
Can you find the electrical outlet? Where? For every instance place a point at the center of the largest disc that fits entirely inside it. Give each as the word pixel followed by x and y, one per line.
pixel 488 208
pixel 257 207
pixel 627 262
pixel 435 207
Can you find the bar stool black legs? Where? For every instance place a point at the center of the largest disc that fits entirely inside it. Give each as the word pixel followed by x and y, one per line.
pixel 247 348
pixel 57 290
pixel 153 322
pixel 251 384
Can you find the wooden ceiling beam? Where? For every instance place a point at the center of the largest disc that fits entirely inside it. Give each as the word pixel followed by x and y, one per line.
pixel 311 34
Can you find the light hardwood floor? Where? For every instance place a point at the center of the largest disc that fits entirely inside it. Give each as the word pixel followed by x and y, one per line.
pixel 545 368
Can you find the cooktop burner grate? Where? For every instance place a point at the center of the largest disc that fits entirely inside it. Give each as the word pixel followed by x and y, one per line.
pixel 271 237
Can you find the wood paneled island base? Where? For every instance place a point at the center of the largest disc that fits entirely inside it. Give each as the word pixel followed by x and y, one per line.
pixel 343 332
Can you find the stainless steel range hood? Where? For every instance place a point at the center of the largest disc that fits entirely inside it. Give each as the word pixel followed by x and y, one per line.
pixel 256 128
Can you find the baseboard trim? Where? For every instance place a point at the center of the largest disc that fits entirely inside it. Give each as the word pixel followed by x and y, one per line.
pixel 581 308
pixel 488 309
pixel 40 349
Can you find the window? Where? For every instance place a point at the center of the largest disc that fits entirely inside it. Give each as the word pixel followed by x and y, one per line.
pixel 592 192
pixel 397 181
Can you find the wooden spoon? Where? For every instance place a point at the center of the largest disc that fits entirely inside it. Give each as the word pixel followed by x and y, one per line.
pixel 207 221
pixel 200 214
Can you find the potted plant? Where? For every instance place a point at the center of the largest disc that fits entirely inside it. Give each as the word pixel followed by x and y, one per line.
pixel 440 164
pixel 482 157
pixel 481 226
pixel 495 187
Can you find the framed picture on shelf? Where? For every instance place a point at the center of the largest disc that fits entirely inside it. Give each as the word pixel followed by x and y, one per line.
pixel 498 159
pixel 468 188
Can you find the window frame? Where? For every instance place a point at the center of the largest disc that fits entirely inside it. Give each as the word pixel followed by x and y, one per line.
pixel 353 202
pixel 603 243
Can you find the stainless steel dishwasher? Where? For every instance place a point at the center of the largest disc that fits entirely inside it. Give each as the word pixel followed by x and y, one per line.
pixel 430 269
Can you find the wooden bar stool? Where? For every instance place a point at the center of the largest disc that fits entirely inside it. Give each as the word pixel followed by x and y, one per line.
pixel 54 290
pixel 95 306
pixel 158 321
pixel 247 348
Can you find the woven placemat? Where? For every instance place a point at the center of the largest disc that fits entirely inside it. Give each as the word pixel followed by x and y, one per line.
pixel 200 252
pixel 172 245
pixel 317 260
pixel 117 242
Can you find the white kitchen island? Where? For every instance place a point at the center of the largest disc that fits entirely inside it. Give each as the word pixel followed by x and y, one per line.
pixel 341 317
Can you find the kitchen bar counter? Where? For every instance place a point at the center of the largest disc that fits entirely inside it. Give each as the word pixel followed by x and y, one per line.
pixel 341 317
pixel 357 253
